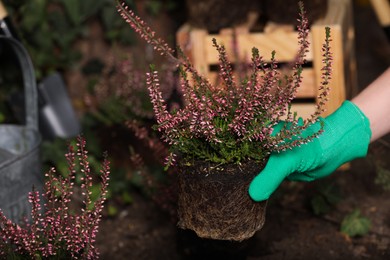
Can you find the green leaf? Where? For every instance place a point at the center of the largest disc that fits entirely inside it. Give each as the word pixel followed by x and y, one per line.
pixel 319 205
pixel 34 14
pixel 355 225
pixel 109 17
pixel 331 193
pixel 91 7
pixel 127 198
pixel 112 210
pixel 328 195
pixel 382 177
pixel 73 10
pixel 154 7
pixel 95 192
pixel 2 117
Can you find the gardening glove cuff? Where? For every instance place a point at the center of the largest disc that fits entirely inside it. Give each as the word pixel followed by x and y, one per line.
pixel 347 133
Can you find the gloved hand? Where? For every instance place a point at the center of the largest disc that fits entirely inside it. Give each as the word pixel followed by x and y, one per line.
pixel 346 136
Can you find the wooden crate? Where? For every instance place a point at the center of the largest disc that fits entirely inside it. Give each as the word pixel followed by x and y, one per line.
pixel 197 45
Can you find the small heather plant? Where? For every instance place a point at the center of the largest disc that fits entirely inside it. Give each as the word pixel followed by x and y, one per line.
pixel 233 122
pixel 58 232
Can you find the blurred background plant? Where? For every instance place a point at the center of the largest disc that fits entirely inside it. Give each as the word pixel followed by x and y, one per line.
pixel 119 104
pixel 110 100
pixel 50 29
pixel 381 164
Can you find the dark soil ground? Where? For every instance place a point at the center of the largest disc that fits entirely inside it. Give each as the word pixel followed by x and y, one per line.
pixel 143 230
pixel 291 231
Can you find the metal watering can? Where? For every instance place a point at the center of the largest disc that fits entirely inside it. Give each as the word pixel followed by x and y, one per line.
pixel 20 166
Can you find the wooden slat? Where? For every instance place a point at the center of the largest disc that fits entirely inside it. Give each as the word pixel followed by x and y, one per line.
pixel 382 10
pixel 284 43
pixel 304 110
pixel 199 53
pixel 3 11
pixel 339 13
pixel 337 20
pixel 306 90
pixel 183 39
pixel 337 84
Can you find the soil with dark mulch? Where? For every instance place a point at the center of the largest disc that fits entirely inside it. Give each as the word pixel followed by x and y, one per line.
pixel 291 231
pixel 213 200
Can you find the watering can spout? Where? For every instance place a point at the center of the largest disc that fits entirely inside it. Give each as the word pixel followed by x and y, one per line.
pixel 57 116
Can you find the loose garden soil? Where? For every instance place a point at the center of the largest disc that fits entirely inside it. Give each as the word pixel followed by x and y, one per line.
pixel 213 200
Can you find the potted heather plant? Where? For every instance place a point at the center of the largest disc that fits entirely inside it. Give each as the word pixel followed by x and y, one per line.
pixel 59 230
pixel 224 134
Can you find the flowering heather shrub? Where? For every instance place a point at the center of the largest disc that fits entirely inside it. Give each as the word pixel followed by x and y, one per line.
pixel 58 232
pixel 233 122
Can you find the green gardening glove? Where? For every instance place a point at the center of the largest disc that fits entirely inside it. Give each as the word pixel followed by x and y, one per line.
pixel 346 136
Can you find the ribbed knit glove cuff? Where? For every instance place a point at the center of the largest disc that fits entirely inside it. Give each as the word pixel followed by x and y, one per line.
pixel 351 128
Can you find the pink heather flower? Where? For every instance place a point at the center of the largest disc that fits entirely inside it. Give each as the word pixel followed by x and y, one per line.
pixel 143 30
pixel 232 121
pixel 56 230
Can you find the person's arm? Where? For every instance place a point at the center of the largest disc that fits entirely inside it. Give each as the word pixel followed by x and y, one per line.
pixel 347 134
pixel 374 101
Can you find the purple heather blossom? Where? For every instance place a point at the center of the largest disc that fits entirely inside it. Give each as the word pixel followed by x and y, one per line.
pixel 232 121
pixel 55 229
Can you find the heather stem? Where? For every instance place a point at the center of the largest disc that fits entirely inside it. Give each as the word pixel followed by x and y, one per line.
pixel 144 30
pixel 326 76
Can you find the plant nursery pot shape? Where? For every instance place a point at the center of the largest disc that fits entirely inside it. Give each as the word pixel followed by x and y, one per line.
pixel 214 201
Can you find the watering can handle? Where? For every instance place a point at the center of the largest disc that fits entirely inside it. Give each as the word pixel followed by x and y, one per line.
pixel 30 88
